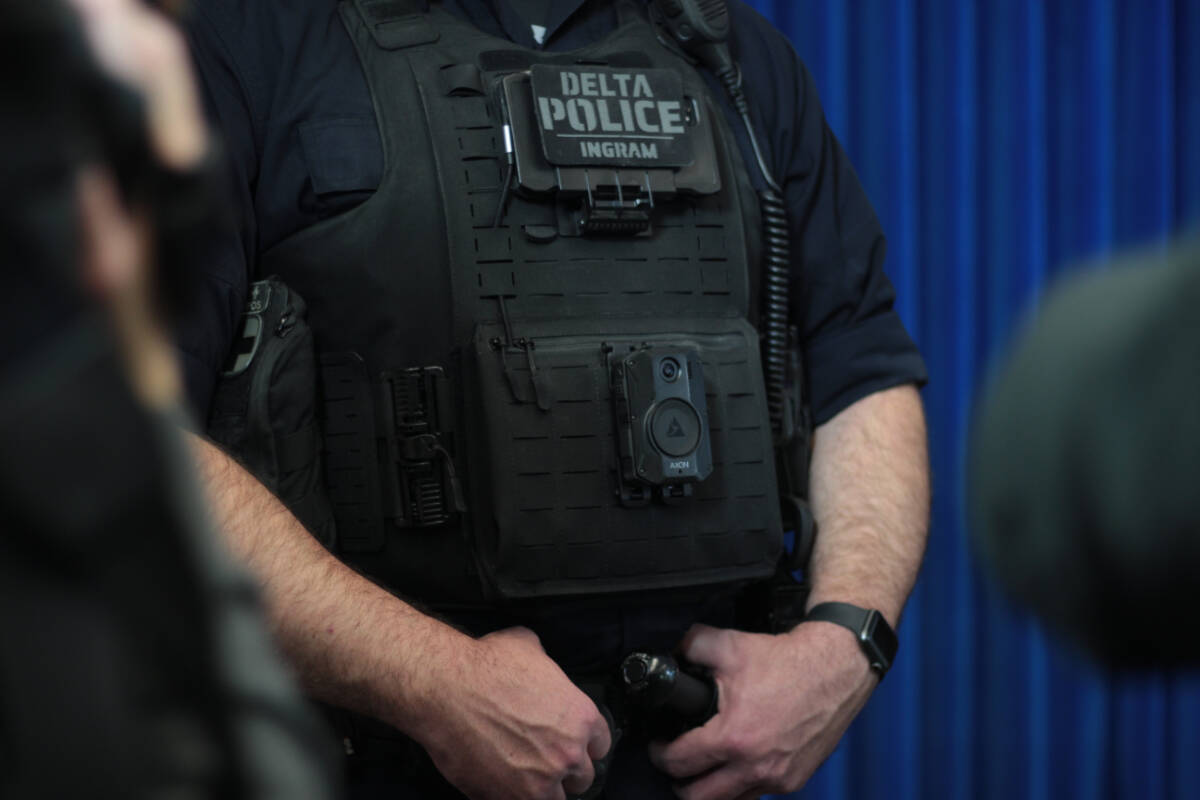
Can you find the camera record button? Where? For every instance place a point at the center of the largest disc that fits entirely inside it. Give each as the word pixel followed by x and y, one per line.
pixel 675 426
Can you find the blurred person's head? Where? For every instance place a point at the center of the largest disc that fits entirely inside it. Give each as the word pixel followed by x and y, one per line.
pixel 1086 459
pixel 47 133
pixel 100 119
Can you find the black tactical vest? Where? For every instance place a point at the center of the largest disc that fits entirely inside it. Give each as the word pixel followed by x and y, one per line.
pixel 540 373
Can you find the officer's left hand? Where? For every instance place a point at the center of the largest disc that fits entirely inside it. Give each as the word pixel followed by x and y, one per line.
pixel 784 703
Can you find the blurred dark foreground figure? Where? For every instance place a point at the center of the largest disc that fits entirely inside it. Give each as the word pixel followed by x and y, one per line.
pixel 1086 462
pixel 135 663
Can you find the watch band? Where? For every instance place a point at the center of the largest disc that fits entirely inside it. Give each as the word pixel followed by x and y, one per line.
pixel 876 638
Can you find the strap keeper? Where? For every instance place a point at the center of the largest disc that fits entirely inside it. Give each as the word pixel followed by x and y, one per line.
pixel 397 24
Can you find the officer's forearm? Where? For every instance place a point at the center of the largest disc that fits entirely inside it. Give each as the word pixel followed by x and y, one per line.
pixel 353 644
pixel 870 496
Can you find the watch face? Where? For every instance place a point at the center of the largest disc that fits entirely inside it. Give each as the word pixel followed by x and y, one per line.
pixel 879 641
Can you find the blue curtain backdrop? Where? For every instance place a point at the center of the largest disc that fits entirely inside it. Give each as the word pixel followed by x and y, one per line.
pixel 1003 142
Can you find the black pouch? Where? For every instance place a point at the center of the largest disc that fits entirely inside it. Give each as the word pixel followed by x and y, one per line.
pixel 264 408
pixel 557 525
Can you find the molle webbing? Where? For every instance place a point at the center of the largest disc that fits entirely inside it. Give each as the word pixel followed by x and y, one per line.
pixel 445 269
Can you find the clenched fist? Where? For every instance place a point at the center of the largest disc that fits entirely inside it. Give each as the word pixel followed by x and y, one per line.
pixel 511 726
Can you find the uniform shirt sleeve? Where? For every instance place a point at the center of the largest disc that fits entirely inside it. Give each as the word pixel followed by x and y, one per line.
pixel 205 325
pixel 854 341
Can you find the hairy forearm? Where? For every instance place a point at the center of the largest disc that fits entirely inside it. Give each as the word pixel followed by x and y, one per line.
pixel 353 644
pixel 870 497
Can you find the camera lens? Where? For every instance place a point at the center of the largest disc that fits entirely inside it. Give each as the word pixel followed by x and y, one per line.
pixel 669 369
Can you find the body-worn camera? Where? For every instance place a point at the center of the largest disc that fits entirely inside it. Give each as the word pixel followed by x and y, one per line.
pixel 662 423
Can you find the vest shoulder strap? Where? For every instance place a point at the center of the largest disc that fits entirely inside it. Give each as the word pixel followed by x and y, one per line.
pixel 629 11
pixel 395 24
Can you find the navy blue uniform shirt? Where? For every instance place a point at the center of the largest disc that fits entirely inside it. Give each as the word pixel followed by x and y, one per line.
pixel 269 65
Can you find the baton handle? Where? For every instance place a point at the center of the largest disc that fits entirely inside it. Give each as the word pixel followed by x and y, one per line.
pixel 656 685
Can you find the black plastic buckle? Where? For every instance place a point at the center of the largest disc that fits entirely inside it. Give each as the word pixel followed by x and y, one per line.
pixel 611 208
pixel 786 608
pixel 424 486
pixel 677 494
pixel 634 495
pixel 423 447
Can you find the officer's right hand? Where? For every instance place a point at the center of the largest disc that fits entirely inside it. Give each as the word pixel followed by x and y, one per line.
pixel 509 725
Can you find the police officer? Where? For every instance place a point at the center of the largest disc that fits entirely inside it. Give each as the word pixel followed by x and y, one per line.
pixel 531 245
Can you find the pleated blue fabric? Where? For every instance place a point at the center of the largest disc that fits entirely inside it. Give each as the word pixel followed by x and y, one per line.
pixel 1003 143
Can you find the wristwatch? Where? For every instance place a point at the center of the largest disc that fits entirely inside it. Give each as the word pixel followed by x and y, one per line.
pixel 875 637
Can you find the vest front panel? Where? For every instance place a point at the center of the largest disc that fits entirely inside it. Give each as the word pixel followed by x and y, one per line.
pixel 480 333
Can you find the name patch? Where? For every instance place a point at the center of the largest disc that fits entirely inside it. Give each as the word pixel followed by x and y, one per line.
pixel 612 117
